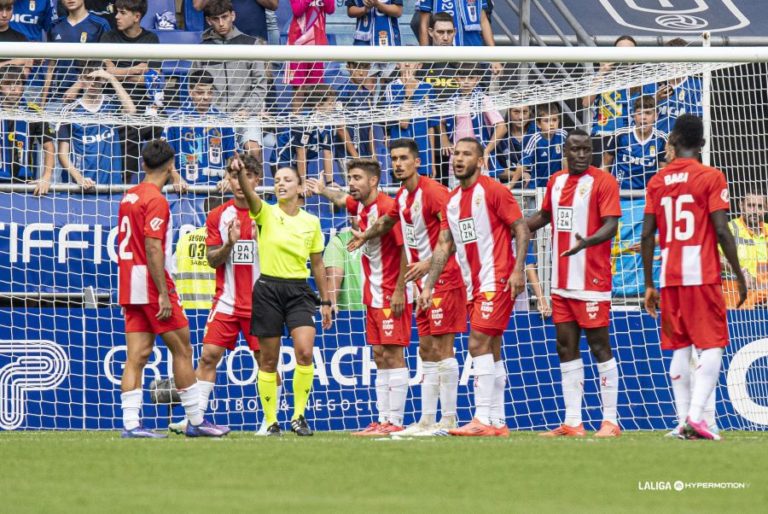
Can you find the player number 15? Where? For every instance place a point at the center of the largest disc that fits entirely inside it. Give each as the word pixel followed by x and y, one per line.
pixel 678 218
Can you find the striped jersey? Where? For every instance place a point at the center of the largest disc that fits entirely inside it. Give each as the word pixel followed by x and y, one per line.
pixel 479 219
pixel 381 256
pixel 419 212
pixel 143 213
pixel 376 28
pixel 578 204
pixel 682 196
pixel 234 278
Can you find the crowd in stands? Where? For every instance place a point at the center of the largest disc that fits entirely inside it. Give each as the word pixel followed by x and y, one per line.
pixel 523 145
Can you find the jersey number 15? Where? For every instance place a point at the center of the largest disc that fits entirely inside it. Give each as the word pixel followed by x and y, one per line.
pixel 679 220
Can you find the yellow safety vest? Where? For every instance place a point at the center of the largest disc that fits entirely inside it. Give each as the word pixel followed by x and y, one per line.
pixel 195 279
pixel 752 248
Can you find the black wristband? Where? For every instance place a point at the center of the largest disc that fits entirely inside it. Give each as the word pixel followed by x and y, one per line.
pixel 326 303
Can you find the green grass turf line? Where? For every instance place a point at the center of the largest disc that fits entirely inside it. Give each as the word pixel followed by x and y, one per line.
pixel 333 472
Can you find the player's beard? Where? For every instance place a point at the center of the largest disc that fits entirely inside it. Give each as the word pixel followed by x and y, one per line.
pixel 468 171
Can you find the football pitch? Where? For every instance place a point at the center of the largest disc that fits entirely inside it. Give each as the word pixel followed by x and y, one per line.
pixel 333 472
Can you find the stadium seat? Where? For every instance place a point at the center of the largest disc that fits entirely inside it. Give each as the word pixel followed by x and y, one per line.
pixel 182 37
pixel 193 19
pixel 156 7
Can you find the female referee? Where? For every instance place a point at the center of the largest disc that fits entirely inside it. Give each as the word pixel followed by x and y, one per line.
pixel 288 236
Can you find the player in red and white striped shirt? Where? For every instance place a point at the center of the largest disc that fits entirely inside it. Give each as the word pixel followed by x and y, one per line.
pixel 388 311
pixel 232 249
pixel 148 296
pixel 418 207
pixel 582 203
pixel 688 203
pixel 478 224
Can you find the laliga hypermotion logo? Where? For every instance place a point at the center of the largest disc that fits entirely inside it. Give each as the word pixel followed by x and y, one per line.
pixel 676 16
pixel 35 366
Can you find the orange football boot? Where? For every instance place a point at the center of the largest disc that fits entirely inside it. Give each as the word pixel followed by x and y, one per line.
pixel 608 429
pixel 566 431
pixel 367 431
pixel 474 429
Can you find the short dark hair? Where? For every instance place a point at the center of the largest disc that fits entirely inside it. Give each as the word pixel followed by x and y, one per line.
pixel 370 166
pixel 139 6
pixel 217 7
pixel 405 142
pixel 469 69
pixel 547 109
pixel 577 132
pixel 358 64
pixel 11 74
pixel 688 131
pixel 157 153
pixel 678 41
pixel 625 37
pixel 644 102
pixel 319 94
pixel 200 77
pixel 251 163
pixel 88 66
pixel 294 170
pixel 479 150
pixel 440 16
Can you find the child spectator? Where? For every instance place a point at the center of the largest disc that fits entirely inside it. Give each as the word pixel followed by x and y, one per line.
pixel 309 148
pixel 634 154
pixel 202 150
pixel 476 118
pixel 7 33
pixel 105 9
pixel 519 125
pixel 308 28
pixel 79 26
pixel 359 94
pixel 91 153
pixel 252 16
pixel 409 93
pixel 377 23
pixel 543 150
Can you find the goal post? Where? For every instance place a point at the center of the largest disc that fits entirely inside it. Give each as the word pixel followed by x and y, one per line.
pixel 61 332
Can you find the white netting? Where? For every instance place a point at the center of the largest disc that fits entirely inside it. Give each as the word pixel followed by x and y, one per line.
pixel 61 334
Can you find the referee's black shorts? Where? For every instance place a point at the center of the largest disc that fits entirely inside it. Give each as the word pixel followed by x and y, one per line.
pixel 279 302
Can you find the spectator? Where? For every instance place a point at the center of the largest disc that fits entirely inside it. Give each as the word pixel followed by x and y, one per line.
pixel 33 19
pixel 359 94
pixel 7 33
pixel 542 150
pixel 309 148
pixel 411 94
pixel 106 9
pixel 307 28
pixel 519 125
pixel 343 273
pixel 201 150
pixel 751 235
pixel 91 153
pixel 678 96
pixel 17 137
pixel 79 26
pixel 377 21
pixel 634 154
pixel 142 80
pixel 251 15
pixel 241 86
pixel 472 28
pixel 481 121
pixel 610 109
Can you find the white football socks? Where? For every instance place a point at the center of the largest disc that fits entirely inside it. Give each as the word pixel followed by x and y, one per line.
pixel 484 379
pixel 707 374
pixel 430 391
pixel 190 400
pixel 131 405
pixel 448 369
pixel 573 390
pixel 398 392
pixel 609 388
pixel 498 413
pixel 382 394
pixel 205 388
pixel 680 376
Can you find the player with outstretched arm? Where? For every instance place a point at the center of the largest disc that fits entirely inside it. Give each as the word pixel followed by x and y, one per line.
pixel 478 224
pixel 688 203
pixel 582 203
pixel 148 296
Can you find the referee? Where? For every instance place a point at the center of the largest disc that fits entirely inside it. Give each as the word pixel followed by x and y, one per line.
pixel 288 236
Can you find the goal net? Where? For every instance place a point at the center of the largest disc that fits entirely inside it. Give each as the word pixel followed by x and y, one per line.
pixel 71 147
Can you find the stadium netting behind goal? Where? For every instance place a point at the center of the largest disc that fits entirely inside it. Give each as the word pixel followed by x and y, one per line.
pixel 61 332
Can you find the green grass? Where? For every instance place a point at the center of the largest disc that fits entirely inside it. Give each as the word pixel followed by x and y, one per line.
pixel 99 472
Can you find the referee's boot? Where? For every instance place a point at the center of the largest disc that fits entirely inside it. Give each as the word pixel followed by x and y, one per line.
pixel 300 427
pixel 273 430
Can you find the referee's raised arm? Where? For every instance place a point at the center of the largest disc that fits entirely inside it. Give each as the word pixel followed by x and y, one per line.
pixel 253 199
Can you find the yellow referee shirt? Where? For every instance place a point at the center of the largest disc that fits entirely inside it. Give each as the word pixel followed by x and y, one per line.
pixel 285 242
